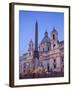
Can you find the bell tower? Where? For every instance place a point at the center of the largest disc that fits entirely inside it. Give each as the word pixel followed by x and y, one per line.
pixel 31 47
pixel 54 39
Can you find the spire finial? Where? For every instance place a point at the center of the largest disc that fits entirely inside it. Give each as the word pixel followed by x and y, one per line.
pixel 36 22
pixel 54 30
pixel 46 33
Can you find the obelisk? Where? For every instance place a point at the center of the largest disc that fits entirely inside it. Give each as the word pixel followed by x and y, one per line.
pixel 36 52
pixel 36 36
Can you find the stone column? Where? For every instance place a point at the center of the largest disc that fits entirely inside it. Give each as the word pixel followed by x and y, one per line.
pixel 51 64
pixel 58 64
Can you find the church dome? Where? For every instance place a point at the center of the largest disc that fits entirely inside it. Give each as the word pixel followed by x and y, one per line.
pixel 46 39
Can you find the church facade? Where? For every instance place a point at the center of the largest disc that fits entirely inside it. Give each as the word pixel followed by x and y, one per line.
pixel 51 54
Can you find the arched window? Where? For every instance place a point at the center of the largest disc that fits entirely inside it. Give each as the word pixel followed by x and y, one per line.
pixel 54 60
pixel 43 49
pixel 54 46
pixel 53 36
pixel 54 66
pixel 54 63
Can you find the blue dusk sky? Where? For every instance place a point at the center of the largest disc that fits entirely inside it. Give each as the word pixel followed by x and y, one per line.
pixel 46 21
